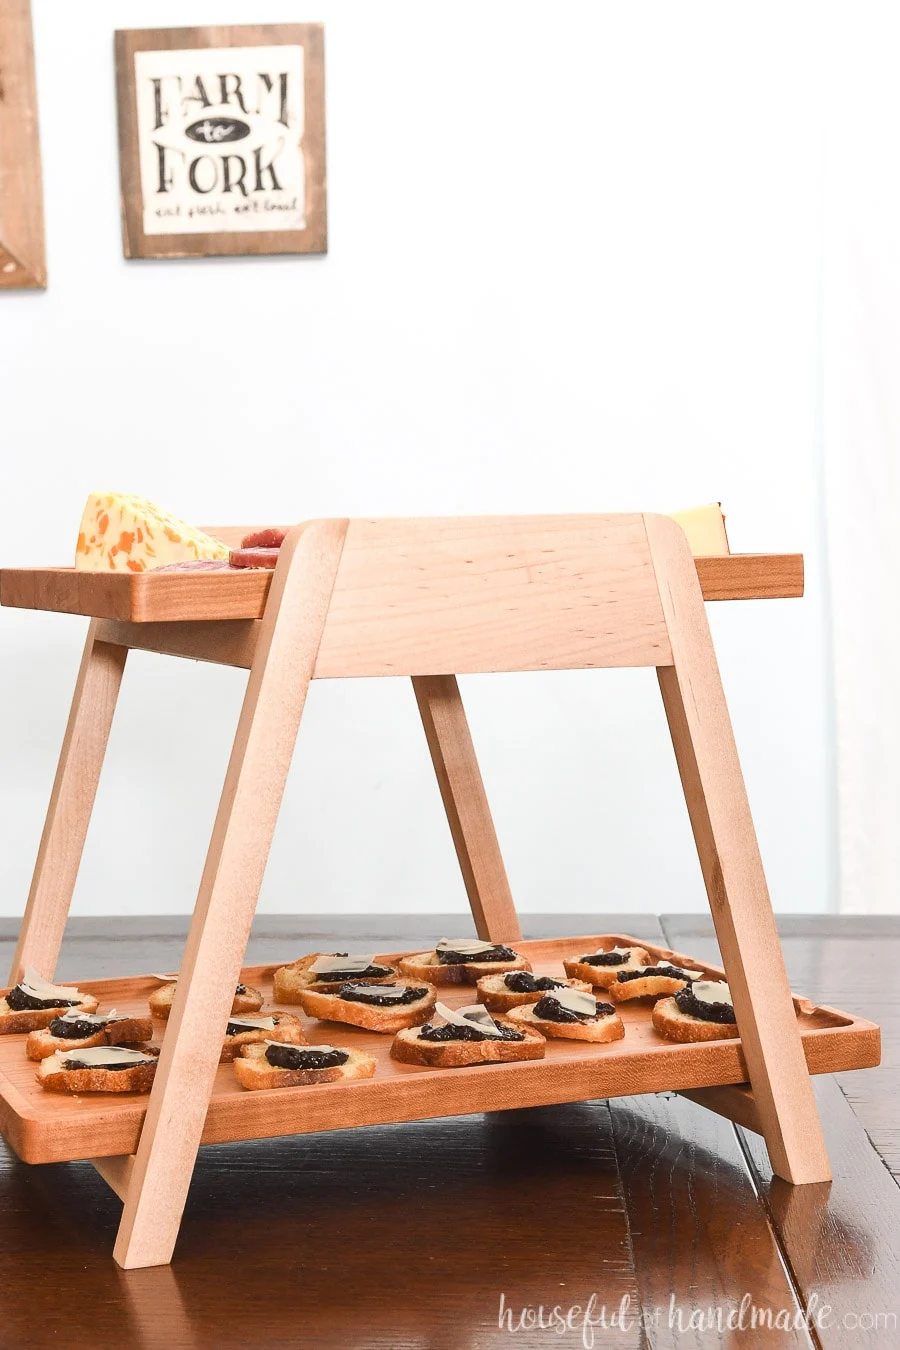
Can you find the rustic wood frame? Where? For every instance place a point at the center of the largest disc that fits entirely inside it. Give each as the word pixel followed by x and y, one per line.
pixel 424 598
pixel 23 265
pixel 314 239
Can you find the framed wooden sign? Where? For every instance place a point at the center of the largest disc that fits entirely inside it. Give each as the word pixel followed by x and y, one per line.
pixel 22 261
pixel 222 140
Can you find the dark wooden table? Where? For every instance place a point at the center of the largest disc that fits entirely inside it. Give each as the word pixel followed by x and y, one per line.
pixel 442 1235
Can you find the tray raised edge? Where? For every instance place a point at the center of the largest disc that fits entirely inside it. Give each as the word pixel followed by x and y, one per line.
pixel 108 1127
pixel 149 597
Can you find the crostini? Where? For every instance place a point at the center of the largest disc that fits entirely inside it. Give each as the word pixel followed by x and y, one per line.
pixel 386 1008
pixel 275 1065
pixel 34 1003
pixel 571 1015
pixel 260 1027
pixel 467 1036
pixel 702 1011
pixel 246 999
pixel 600 968
pixel 499 993
pixel 100 1068
pixel 462 961
pixel 77 1030
pixel 650 982
pixel 319 970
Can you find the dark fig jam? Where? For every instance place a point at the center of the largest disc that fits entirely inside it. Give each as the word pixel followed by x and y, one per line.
pixel 18 1001
pixel 523 982
pixel 707 1012
pixel 74 1029
pixel 372 972
pixel 374 995
pixel 605 959
pixel 451 1032
pixel 448 957
pixel 235 1028
pixel 664 972
pixel 240 989
pixel 301 1057
pixel 107 1068
pixel 549 1010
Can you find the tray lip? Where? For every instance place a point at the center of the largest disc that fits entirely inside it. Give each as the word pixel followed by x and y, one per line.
pixel 126 596
pixel 26 1129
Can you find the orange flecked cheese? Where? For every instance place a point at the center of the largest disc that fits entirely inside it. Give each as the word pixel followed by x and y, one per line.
pixel 120 533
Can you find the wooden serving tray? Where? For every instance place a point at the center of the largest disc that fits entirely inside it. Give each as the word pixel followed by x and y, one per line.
pixel 48 1127
pixel 153 597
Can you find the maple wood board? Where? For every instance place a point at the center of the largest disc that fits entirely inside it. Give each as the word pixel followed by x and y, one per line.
pixel 48 1127
pixel 147 597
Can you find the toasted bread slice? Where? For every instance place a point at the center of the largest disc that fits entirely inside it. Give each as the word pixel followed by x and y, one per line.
pixel 650 986
pixel 291 980
pixel 676 1025
pixel 287 1028
pixel 248 1000
pixel 603 976
pixel 55 1078
pixel 330 1007
pixel 409 1047
pixel 496 997
pixel 128 1031
pixel 426 966
pixel 33 1019
pixel 605 1027
pixel 254 1072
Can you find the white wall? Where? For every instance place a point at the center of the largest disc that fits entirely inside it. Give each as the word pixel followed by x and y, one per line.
pixel 573 266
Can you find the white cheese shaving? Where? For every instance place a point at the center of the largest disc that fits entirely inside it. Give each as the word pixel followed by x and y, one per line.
pixel 605 951
pixel 164 979
pixel 465 946
pixel 712 991
pixel 474 1015
pixel 323 965
pixel 95 1019
pixel 573 1000
pixel 97 1056
pixel 253 1023
pixel 34 984
pixel 388 991
pixel 324 1049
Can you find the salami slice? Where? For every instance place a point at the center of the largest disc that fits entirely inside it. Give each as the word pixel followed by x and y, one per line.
pixel 270 538
pixel 254 557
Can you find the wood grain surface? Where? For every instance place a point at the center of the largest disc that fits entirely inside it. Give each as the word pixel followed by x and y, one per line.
pixel 649 1199
pixel 173 597
pixel 22 260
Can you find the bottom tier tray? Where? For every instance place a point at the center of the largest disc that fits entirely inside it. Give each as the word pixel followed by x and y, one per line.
pixel 47 1127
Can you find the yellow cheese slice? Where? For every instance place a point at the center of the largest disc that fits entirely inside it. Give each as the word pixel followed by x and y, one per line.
pixel 705 529
pixel 121 533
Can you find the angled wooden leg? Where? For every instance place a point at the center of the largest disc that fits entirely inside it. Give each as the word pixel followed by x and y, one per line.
pixel 466 804
pixel 282 667
pixel 71 803
pixel 732 868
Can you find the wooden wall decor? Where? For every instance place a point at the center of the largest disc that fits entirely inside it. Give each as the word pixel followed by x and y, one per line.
pixel 222 140
pixel 22 262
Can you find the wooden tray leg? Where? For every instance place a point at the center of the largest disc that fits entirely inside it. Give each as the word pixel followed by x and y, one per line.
pixel 71 803
pixel 273 704
pixel 466 804
pixel 732 868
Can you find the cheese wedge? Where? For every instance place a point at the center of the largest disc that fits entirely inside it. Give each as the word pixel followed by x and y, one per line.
pixel 120 533
pixel 705 529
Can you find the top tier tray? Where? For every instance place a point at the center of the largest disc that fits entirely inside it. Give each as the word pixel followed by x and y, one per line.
pixel 154 597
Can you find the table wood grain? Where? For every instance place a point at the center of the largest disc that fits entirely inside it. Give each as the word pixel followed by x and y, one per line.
pixel 405 1236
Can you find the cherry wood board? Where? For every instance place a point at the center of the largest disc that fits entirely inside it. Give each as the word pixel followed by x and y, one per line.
pixel 45 1127
pixel 167 597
